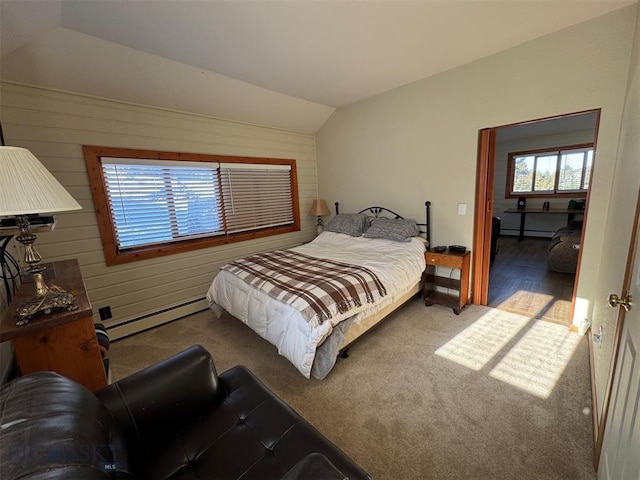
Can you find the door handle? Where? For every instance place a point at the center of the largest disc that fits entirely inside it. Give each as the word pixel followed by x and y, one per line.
pixel 625 302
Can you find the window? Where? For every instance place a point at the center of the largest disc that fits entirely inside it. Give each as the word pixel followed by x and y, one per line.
pixel 550 172
pixel 157 203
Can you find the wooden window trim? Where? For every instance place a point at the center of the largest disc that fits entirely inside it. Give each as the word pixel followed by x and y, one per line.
pixel 113 256
pixel 555 194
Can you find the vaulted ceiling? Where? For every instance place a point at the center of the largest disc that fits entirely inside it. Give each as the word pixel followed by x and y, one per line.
pixel 283 63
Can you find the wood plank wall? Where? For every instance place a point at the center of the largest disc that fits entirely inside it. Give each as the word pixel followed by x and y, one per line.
pixel 54 125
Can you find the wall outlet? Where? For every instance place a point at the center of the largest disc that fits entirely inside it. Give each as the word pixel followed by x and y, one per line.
pixel 462 209
pixel 105 313
pixel 598 338
pixel 583 326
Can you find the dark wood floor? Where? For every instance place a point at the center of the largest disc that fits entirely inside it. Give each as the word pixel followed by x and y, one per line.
pixel 520 282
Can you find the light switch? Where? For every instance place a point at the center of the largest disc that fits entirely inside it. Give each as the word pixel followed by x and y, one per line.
pixel 462 209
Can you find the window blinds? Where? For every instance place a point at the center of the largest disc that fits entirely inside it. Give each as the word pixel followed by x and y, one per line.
pixel 256 196
pixel 154 201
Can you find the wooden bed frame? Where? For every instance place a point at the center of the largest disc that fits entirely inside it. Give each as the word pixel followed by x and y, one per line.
pixel 356 330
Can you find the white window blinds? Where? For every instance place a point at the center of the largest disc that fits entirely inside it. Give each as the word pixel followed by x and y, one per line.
pixel 155 201
pixel 256 196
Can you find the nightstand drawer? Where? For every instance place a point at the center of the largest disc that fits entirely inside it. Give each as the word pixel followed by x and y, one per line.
pixel 444 259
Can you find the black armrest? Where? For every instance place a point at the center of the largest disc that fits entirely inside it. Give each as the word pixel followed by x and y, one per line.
pixel 154 403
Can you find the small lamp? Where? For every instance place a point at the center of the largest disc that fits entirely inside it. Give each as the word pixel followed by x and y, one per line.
pixel 319 208
pixel 28 188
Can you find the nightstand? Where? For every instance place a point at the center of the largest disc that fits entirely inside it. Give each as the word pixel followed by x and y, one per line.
pixel 62 341
pixel 451 260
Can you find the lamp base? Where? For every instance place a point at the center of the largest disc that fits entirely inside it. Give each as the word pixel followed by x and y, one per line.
pixel 46 299
pixel 319 227
pixel 48 271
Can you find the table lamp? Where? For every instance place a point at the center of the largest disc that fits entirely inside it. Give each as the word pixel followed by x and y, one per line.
pixel 28 188
pixel 319 208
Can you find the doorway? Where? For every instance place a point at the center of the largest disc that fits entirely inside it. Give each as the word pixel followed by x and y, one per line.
pixel 531 204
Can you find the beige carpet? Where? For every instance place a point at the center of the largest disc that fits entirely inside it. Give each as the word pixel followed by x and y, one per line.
pixel 427 395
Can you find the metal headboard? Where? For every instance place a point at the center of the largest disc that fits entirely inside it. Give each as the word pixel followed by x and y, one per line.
pixel 383 212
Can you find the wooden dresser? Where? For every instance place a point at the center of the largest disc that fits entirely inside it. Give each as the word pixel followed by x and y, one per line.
pixel 62 341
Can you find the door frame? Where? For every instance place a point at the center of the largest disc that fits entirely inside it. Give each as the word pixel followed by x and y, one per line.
pixel 483 213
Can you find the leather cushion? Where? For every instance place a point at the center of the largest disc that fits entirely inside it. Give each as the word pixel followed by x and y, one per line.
pixel 53 428
pixel 251 435
pixel 315 466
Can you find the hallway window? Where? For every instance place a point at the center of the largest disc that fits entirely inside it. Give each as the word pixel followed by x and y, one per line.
pixel 557 172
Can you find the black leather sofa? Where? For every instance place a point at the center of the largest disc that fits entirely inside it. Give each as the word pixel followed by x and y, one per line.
pixel 174 420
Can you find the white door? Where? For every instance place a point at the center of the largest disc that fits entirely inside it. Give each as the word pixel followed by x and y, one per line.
pixel 620 458
pixel 616 371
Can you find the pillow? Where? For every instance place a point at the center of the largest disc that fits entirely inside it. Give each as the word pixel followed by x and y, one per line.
pixel 353 224
pixel 400 229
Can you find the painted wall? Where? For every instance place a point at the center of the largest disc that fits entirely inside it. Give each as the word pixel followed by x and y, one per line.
pixel 54 125
pixel 419 142
pixel 66 60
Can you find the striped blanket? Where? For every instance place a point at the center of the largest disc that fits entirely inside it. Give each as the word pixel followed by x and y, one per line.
pixel 318 288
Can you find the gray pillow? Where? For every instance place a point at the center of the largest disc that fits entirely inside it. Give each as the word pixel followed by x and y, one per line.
pixel 353 224
pixel 400 229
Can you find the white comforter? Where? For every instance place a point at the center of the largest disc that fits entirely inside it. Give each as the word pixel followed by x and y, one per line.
pixel 398 265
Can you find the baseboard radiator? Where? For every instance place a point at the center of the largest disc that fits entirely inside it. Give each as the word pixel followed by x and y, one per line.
pixel 150 320
pixel 509 232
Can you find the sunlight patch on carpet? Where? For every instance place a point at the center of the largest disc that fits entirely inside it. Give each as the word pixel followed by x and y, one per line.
pixel 475 346
pixel 537 305
pixel 537 360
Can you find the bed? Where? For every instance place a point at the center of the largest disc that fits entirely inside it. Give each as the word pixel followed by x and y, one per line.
pixel 313 301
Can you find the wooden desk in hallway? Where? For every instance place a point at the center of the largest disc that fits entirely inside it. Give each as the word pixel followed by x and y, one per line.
pixel 523 214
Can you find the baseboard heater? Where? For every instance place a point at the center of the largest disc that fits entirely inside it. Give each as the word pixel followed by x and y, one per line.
pixel 508 232
pixel 150 320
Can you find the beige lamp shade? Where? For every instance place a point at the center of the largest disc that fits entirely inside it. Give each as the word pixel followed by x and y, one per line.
pixel 319 208
pixel 27 187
